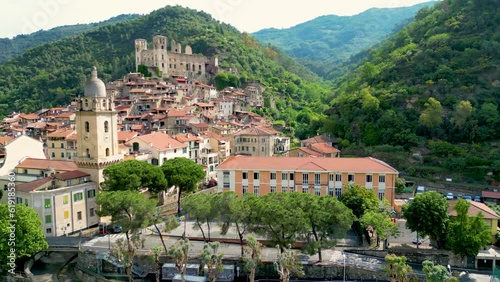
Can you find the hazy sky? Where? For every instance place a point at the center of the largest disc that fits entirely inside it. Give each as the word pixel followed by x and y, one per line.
pixel 27 16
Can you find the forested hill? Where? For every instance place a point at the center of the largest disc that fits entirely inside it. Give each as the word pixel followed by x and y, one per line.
pixel 53 73
pixel 332 39
pixel 19 44
pixel 434 85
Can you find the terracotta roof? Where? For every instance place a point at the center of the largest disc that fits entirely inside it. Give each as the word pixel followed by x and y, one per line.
pixel 176 113
pixel 138 90
pixel 213 135
pixel 324 148
pixel 61 133
pixel 319 139
pixel 72 137
pixel 71 175
pixel 307 151
pixel 33 185
pixel 57 165
pixel 205 105
pixel 491 194
pixel 160 141
pixel 295 163
pixel 5 139
pixel 186 137
pixel 29 116
pixel 199 125
pixel 65 115
pixel 37 125
pixel 474 209
pixel 124 136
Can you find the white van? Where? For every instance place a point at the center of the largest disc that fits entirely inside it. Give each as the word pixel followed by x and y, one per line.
pixel 420 190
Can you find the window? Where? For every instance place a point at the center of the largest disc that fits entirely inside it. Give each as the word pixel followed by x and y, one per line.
pixel 79 215
pixel 292 189
pixel 381 195
pixel 256 190
pixel 244 189
pixel 47 203
pixel 48 219
pixel 331 177
pixel 273 175
pixel 86 103
pixel 255 175
pixel 381 178
pixel 330 191
pixel 184 150
pixel 317 179
pixel 135 146
pixel 317 191
pixel 66 214
pixel 305 189
pixel 291 176
pixel 87 151
pixel 78 197
pixel 62 155
pixel 284 189
pixel 106 126
pixel 338 192
pixel 350 178
pixel 62 145
pixel 48 230
pixel 19 200
pixel 273 189
pixel 107 152
pixel 69 182
pixel 87 127
pixel 65 199
pixel 284 176
pixel 91 193
pixel 53 145
pixel 244 175
pixel 369 178
pixel 91 212
pixel 225 180
pixel 305 179
pixel 53 155
pixel 338 177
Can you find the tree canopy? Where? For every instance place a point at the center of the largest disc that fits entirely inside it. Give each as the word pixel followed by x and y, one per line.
pixel 184 174
pixel 134 175
pixel 427 214
pixel 27 230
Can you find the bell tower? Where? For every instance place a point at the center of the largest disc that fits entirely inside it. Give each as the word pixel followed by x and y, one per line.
pixel 96 124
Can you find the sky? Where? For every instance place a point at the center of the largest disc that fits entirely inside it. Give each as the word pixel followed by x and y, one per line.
pixel 27 16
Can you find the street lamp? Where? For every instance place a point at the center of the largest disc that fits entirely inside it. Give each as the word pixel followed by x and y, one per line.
pixel 343 255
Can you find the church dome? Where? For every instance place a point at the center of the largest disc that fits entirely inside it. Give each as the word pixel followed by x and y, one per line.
pixel 94 87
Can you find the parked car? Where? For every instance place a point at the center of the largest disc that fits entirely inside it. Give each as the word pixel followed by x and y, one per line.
pixel 116 228
pixel 460 196
pixel 420 190
pixel 449 196
pixel 477 198
pixel 417 240
pixel 467 198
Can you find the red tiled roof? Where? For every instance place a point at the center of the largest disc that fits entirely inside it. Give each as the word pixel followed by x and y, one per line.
pixel 124 136
pixel 61 133
pixel 186 137
pixel 160 141
pixel 57 165
pixel 71 175
pixel 319 139
pixel 491 194
pixel 257 131
pixel 5 139
pixel 324 148
pixel 33 185
pixel 176 113
pixel 295 163
pixel 29 116
pixel 65 115
pixel 474 209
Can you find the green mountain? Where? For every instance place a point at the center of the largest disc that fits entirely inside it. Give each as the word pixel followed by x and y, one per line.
pixel 53 73
pixel 330 40
pixel 430 92
pixel 19 44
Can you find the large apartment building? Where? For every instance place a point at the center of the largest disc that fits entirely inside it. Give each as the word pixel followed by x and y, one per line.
pixel 321 176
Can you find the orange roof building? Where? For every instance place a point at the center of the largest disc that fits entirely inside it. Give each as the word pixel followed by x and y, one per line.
pixel 321 176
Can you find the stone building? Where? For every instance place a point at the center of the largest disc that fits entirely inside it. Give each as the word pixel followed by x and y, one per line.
pixel 173 62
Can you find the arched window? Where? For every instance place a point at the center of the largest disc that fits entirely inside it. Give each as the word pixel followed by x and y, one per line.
pixel 104 103
pixel 107 152
pixel 87 127
pixel 86 103
pixel 106 126
pixel 87 152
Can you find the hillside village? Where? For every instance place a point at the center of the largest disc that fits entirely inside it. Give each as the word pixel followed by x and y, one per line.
pixel 58 155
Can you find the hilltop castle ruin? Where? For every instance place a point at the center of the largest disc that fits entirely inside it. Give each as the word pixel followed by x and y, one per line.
pixel 173 62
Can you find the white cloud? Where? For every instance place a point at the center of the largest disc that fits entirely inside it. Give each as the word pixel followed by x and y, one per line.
pixel 26 16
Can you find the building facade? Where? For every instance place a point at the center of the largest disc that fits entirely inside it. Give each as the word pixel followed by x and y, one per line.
pixel 260 142
pixel 320 176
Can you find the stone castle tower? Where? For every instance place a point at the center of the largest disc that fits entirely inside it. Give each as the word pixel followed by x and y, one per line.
pixel 96 123
pixel 173 62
